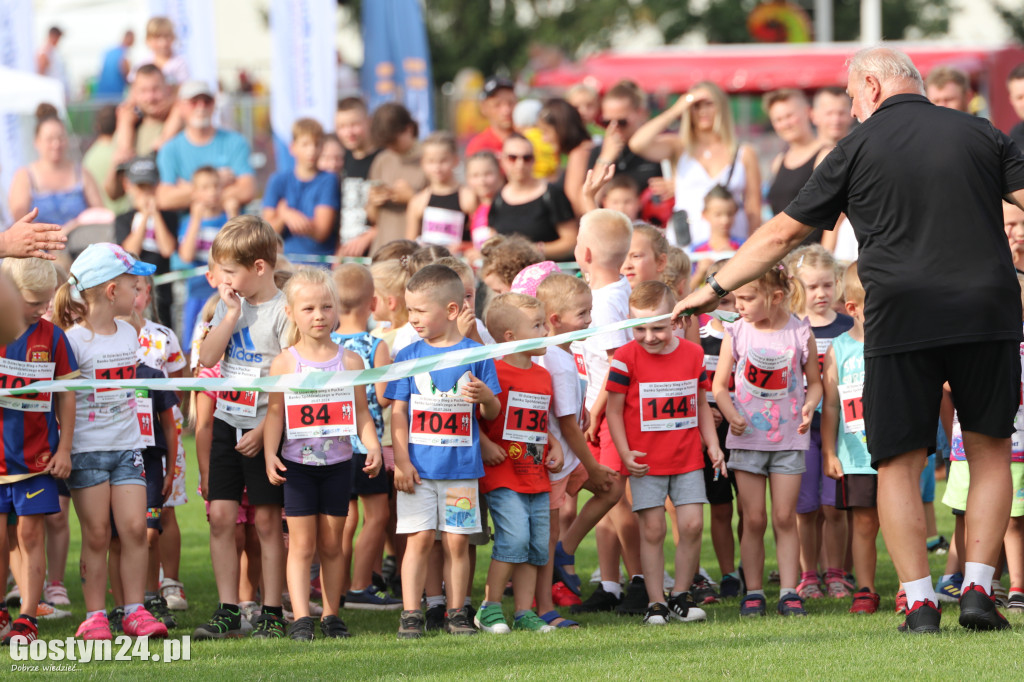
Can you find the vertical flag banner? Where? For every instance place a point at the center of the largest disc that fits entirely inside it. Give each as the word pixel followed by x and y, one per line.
pixel 16 52
pixel 397 62
pixel 304 68
pixel 194 28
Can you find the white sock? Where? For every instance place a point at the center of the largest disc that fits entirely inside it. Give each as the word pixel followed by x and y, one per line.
pixel 435 601
pixel 638 575
pixel 757 592
pixel 919 590
pixel 612 587
pixel 783 591
pixel 945 577
pixel 979 574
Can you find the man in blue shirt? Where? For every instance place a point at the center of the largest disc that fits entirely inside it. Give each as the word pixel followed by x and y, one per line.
pixel 114 72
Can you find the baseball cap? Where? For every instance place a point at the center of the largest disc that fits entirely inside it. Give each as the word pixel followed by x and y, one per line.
pixel 142 171
pixel 102 262
pixel 496 83
pixel 530 277
pixel 190 89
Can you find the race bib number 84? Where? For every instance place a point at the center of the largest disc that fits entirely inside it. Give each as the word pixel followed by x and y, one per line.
pixel 329 412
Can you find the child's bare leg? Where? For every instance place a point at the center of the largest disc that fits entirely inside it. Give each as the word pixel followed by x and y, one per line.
pixel 302 542
pixel 690 522
pixel 755 522
pixel 223 556
pixel 498 574
pixel 456 558
pixel 524 583
pixel 268 526
pixel 170 544
pixel 595 509
pixel 58 538
pixel 93 507
pixel 785 491
pixel 865 534
pixel 546 573
pixel 628 530
pixel 436 571
pixel 153 556
pixel 414 567
pixel 30 538
pixel 348 546
pixel 807 532
pixel 653 529
pixel 609 551
pixel 129 505
pixel 834 536
pixel 370 543
pixel 114 572
pixel 722 537
pixel 328 541
pixel 1013 543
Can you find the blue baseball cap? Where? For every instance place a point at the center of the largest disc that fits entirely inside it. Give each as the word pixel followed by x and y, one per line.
pixel 103 262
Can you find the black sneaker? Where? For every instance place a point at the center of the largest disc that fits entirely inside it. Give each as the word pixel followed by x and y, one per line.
pixel 388 568
pixel 703 592
pixel 157 605
pixel 599 600
pixel 302 629
pixel 222 623
pixel 459 622
pixel 411 625
pixel 333 627
pixel 656 614
pixel 922 618
pixel 435 617
pixel 978 610
pixel 268 626
pixel 116 619
pixel 729 587
pixel 635 601
pixel 683 607
pixel 378 583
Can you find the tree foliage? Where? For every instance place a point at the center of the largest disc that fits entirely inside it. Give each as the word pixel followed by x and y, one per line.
pixel 1014 19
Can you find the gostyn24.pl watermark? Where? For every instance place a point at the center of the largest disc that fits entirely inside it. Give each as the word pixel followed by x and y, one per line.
pixel 70 651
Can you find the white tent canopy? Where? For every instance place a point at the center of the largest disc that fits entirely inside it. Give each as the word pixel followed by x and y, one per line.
pixel 21 92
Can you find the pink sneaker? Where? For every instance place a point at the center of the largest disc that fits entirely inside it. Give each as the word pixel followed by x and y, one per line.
pixel 97 627
pixel 142 623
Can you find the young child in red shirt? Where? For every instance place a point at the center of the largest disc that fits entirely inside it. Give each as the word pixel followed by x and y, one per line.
pixel 657 416
pixel 517 460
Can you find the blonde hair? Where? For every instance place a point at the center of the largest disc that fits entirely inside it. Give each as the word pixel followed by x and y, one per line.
pixel 308 127
pixel 159 26
pixel 389 279
pixel 776 279
pixel 612 232
pixel 723 126
pixel 443 139
pixel 853 290
pixel 464 272
pixel 659 244
pixel 306 276
pixel 651 295
pixel 504 310
pixel 810 256
pixel 354 285
pixel 30 274
pixel 677 267
pixel 68 308
pixel 246 239
pixel 557 290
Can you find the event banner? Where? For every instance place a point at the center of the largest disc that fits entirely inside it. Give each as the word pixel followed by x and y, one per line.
pixel 304 67
pixel 397 62
pixel 194 27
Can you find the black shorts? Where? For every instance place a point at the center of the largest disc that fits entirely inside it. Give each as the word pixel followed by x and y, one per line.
pixel 902 392
pixel 153 472
pixel 231 472
pixel 62 488
pixel 857 490
pixel 720 491
pixel 310 490
pixel 362 484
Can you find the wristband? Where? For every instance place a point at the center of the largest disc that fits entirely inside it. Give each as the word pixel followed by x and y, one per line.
pixel 715 286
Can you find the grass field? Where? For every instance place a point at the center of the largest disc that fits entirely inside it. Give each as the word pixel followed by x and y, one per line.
pixel 828 644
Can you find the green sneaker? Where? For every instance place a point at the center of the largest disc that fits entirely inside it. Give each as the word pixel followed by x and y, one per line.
pixel 222 624
pixel 532 622
pixel 491 619
pixel 268 626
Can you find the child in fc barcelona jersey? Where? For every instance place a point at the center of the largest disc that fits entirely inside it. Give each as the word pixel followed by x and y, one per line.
pixel 34 451
pixel 657 416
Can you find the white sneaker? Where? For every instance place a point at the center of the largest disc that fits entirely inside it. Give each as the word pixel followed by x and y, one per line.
pixel 595 577
pixel 50 612
pixel 173 593
pixel 670 582
pixel 56 594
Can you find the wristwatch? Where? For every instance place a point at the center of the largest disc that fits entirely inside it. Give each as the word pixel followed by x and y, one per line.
pixel 715 286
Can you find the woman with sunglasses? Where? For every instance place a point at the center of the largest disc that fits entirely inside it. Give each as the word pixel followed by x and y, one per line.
pixel 705 153
pixel 533 208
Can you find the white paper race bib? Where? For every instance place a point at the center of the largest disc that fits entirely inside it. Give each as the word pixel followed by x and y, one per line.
pixel 823 345
pixel 767 375
pixel 144 413
pixel 526 418
pixel 15 374
pixel 118 367
pixel 710 365
pixel 442 226
pixel 668 405
pixel 851 398
pixel 329 412
pixel 241 403
pixel 440 420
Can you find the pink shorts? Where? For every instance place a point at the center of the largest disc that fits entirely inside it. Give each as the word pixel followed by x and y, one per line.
pixel 246 512
pixel 388 455
pixel 568 485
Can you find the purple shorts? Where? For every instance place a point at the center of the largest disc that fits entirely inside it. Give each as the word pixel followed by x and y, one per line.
pixel 815 488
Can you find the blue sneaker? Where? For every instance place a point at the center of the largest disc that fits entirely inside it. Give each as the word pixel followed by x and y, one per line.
pixel 563 558
pixel 369 600
pixel 753 605
pixel 948 590
pixel 791 605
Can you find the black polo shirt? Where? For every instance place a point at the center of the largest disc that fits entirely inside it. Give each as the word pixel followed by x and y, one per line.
pixel 922 186
pixel 628 163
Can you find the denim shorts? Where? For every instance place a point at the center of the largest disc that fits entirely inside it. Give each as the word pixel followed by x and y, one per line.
pixel 116 467
pixel 522 525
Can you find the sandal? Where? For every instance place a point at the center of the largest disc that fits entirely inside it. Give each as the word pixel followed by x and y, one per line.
pixel 551 616
pixel 563 558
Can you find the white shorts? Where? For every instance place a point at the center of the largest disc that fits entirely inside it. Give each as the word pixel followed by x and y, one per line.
pixel 448 506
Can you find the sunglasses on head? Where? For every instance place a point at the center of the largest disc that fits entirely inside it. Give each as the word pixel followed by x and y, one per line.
pixel 516 157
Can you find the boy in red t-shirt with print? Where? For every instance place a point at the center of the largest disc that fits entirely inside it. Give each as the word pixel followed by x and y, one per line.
pixel 657 416
pixel 517 461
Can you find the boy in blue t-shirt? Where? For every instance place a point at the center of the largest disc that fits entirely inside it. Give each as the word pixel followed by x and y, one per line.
pixel 437 446
pixel 302 204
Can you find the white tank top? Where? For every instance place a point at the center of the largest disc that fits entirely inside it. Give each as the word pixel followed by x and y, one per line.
pixel 692 185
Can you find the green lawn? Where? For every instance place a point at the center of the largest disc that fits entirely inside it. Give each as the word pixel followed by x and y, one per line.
pixel 829 644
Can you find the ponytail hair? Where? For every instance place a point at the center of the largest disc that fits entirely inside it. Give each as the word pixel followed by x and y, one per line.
pixel 776 279
pixel 810 256
pixel 68 308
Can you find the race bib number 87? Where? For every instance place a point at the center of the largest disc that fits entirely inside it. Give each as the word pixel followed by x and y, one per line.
pixel 767 375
